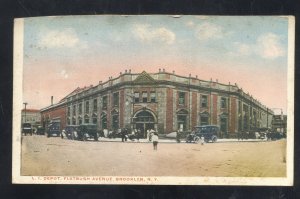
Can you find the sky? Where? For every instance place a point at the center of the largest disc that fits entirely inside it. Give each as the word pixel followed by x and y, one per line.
pixel 63 53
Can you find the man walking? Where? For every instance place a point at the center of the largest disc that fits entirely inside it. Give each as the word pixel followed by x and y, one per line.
pixel 155 141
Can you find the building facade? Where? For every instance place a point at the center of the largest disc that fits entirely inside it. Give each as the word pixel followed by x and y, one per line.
pixel 54 113
pixel 279 123
pixel 164 101
pixel 32 116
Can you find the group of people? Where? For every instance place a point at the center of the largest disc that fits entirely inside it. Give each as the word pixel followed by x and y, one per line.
pixel 136 134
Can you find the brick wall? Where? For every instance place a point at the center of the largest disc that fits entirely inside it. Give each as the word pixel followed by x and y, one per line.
pixel 194 109
pixel 122 101
pixel 215 109
pixel 58 112
pixel 169 111
pixel 233 116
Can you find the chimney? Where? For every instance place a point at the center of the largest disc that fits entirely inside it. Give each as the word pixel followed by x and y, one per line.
pixel 196 76
pixel 126 71
pixel 159 70
pixel 163 70
pixel 173 71
pixel 51 100
pixel 129 71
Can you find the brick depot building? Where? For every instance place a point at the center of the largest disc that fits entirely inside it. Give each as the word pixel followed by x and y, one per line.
pixel 163 101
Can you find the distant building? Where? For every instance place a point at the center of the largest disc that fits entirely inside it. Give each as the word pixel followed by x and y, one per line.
pixel 279 123
pixel 32 116
pixel 163 101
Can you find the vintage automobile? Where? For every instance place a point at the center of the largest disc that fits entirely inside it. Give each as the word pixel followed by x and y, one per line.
pixel 207 132
pixel 53 129
pixel 27 129
pixel 87 131
pixel 70 132
pixel 40 130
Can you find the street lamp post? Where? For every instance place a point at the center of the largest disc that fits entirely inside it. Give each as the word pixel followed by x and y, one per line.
pixel 25 103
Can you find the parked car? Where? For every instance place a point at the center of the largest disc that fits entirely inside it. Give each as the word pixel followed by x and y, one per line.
pixel 27 129
pixel 40 130
pixel 53 129
pixel 208 132
pixel 70 132
pixel 87 131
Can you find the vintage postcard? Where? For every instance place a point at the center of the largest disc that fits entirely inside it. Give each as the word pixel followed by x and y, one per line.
pixel 154 100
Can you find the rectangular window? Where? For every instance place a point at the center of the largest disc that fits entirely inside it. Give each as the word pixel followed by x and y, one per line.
pixel 223 102
pixel 116 99
pixel 204 120
pixel 136 97
pixel 87 107
pixel 74 109
pixel 204 101
pixel 80 108
pixel 152 97
pixel 104 102
pixel 181 98
pixel 145 97
pixel 95 107
pixel 69 111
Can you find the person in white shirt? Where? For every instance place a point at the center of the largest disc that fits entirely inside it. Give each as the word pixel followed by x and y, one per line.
pixel 155 141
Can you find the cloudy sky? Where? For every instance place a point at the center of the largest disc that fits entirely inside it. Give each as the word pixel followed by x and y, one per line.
pixel 62 53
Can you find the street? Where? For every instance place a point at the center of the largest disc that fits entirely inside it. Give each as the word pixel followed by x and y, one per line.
pixel 227 158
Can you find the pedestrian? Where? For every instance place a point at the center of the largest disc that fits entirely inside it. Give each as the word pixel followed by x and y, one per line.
pixel 155 141
pixel 178 134
pixel 202 140
pixel 151 134
pixel 148 135
pixel 138 134
pixel 123 134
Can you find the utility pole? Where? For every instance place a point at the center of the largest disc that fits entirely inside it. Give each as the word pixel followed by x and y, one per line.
pixel 25 103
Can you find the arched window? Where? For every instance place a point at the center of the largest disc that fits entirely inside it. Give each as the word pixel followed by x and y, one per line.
pixel 115 119
pixel 94 119
pixel 79 120
pixel 103 120
pixel 86 119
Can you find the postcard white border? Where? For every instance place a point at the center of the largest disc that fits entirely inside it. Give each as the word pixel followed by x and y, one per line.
pixel 144 180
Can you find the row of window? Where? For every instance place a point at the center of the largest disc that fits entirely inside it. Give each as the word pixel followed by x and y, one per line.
pixel 144 97
pixel 203 100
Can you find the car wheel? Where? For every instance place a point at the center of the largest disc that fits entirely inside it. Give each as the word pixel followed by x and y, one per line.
pixel 197 140
pixel 214 139
pixel 84 137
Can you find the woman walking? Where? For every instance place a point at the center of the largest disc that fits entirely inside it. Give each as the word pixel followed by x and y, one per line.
pixel 155 141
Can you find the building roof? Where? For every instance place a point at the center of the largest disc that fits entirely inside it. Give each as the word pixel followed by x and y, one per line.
pixel 31 110
pixel 161 76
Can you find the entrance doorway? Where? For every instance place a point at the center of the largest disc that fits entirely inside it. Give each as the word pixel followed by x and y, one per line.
pixel 144 121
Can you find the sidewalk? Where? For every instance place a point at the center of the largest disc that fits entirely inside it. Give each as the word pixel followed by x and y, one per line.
pixel 174 141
